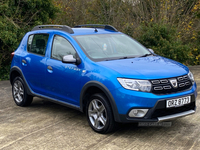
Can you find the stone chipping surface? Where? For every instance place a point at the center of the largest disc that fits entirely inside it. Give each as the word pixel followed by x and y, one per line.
pixel 45 125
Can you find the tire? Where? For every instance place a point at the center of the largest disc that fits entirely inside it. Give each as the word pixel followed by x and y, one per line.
pixel 99 114
pixel 19 93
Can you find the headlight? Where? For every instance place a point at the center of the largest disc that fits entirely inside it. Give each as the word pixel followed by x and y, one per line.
pixel 136 85
pixel 190 75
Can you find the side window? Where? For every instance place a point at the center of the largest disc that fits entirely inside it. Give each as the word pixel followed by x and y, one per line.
pixel 30 39
pixel 61 47
pixel 37 43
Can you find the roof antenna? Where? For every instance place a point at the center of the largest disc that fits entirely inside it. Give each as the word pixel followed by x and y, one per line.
pixel 95 30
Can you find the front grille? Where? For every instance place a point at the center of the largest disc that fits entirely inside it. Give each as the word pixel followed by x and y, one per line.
pixel 167 86
pixel 170 111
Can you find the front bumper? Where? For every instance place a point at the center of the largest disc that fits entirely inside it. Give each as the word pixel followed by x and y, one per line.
pixel 156 105
pixel 160 113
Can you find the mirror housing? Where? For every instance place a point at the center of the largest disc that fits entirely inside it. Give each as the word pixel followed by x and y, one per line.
pixel 71 59
pixel 78 61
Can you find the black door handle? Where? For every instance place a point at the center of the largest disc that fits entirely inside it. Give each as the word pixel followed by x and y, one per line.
pixel 24 61
pixel 50 68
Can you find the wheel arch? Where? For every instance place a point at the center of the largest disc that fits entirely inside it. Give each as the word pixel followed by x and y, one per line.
pixel 97 87
pixel 16 71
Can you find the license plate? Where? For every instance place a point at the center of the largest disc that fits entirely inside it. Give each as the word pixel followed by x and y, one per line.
pixel 178 102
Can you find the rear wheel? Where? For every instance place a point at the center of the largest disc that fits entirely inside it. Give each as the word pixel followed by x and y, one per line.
pixel 19 93
pixel 99 114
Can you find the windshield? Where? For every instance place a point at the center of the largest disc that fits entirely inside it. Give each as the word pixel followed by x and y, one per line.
pixel 110 46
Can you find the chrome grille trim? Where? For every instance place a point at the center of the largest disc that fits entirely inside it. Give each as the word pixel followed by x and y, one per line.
pixel 185 77
pixel 155 81
pixel 158 88
pixel 164 86
pixel 181 84
pixel 164 81
pixel 180 78
pixel 167 87
pixel 187 83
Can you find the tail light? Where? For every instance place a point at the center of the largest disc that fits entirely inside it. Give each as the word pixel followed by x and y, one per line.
pixel 12 55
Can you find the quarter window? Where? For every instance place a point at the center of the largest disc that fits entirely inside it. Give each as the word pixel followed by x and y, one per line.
pixel 61 47
pixel 37 43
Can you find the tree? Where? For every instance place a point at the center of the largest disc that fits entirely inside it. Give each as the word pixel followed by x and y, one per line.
pixel 136 18
pixel 16 18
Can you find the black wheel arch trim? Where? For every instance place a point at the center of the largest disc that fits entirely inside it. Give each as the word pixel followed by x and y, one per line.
pixel 106 92
pixel 15 68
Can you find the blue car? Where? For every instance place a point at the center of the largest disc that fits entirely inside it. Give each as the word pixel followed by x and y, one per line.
pixel 100 71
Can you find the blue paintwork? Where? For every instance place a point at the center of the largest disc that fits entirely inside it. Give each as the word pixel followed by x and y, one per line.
pixel 127 99
pixel 65 82
pixel 152 67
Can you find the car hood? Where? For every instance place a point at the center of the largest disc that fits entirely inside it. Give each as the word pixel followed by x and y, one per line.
pixel 152 67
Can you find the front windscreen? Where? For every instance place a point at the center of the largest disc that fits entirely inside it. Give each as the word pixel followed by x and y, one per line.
pixel 110 46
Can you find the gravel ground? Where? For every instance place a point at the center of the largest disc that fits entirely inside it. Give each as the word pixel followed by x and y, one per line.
pixel 45 125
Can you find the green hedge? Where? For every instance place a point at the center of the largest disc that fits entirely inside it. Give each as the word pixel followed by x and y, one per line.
pixel 163 39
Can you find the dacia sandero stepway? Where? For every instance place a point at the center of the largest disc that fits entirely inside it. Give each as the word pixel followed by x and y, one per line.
pixel 100 71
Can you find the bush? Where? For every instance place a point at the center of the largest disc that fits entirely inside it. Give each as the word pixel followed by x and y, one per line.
pixel 163 39
pixel 4 72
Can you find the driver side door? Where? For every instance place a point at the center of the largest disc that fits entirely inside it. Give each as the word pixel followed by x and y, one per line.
pixel 62 79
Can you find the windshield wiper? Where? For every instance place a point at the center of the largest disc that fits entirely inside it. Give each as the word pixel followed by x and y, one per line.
pixel 116 58
pixel 123 57
pixel 126 57
pixel 145 55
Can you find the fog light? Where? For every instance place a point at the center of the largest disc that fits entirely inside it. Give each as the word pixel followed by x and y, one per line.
pixel 138 113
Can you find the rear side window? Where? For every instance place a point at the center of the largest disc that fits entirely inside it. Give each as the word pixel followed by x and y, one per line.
pixel 37 43
pixel 61 47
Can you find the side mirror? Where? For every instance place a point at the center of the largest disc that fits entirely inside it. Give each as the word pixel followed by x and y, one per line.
pixel 68 59
pixel 151 51
pixel 71 59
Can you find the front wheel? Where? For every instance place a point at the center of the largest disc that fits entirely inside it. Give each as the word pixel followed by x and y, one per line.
pixel 19 93
pixel 99 114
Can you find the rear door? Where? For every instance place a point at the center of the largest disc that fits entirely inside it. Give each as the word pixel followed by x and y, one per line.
pixel 34 62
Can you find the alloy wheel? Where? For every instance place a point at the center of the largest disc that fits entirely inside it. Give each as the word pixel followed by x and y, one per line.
pixel 97 114
pixel 18 91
